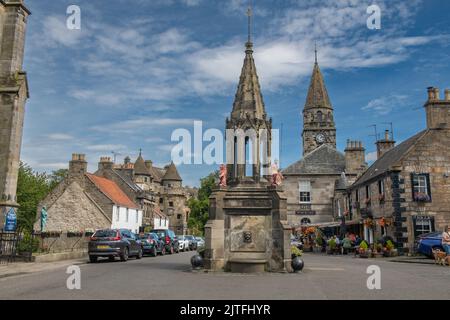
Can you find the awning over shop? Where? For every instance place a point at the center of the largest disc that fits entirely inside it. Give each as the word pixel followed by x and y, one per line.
pixel 321 225
pixel 353 222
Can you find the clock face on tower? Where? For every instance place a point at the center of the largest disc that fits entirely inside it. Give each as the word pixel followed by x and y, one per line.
pixel 320 138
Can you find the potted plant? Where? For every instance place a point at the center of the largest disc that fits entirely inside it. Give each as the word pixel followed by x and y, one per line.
pixel 389 249
pixel 363 249
pixel 378 250
pixel 297 263
pixel 421 197
pixel 331 246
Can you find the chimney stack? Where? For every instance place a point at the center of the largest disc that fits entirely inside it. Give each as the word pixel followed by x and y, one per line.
pixel 385 144
pixel 437 110
pixel 77 166
pixel 105 163
pixel 355 157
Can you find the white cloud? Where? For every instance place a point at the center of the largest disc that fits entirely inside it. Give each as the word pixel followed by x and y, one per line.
pixel 142 123
pixel 59 136
pixel 386 105
pixel 106 147
pixel 191 3
pixel 55 33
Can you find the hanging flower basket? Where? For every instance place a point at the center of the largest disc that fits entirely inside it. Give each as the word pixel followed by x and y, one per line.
pixel 421 197
pixel 369 223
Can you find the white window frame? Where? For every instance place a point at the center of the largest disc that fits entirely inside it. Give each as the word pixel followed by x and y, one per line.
pixel 304 187
pixel 422 185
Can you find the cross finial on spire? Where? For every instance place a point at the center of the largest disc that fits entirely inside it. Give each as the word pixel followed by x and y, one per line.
pixel 140 152
pixel 315 51
pixel 249 15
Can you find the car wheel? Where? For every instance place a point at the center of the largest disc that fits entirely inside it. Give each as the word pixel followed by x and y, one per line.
pixel 93 259
pixel 154 252
pixel 124 255
pixel 112 259
pixel 140 254
pixel 163 251
pixel 177 250
pixel 171 250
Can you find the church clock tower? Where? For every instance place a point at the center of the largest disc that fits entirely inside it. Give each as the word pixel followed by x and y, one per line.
pixel 318 119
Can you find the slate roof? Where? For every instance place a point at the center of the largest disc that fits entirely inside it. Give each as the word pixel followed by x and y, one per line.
pixel 140 168
pixel 317 93
pixel 342 182
pixel 323 160
pixel 172 173
pixel 127 179
pixel 389 159
pixel 111 190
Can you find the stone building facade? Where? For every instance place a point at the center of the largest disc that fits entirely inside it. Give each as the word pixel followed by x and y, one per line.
pixel 13 96
pixel 159 191
pixel 406 192
pixel 311 182
pixel 84 202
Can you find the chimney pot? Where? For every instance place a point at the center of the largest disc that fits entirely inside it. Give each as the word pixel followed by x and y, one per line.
pixel 386 135
pixel 436 94
pixel 431 93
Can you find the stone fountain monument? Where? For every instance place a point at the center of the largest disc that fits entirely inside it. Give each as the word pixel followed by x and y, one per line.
pixel 247 229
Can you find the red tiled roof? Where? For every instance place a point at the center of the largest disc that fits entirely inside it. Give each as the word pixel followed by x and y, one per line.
pixel 112 191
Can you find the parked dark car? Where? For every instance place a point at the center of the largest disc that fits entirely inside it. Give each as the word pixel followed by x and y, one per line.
pixel 425 243
pixel 192 242
pixel 152 244
pixel 114 243
pixel 170 240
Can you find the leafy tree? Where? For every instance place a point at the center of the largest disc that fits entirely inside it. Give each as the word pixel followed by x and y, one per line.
pixel 32 187
pixel 199 207
pixel 57 177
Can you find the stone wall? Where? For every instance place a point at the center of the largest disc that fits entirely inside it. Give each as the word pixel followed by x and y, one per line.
pixel 176 213
pixel 63 243
pixel 431 155
pixel 322 188
pixel 73 210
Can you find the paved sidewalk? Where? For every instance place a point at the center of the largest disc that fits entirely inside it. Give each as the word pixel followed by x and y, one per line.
pixel 399 259
pixel 22 268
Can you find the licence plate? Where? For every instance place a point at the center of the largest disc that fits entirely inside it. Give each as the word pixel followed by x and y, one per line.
pixel 103 247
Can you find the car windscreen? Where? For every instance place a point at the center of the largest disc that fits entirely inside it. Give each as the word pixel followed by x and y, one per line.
pixel 105 234
pixel 189 237
pixel 160 234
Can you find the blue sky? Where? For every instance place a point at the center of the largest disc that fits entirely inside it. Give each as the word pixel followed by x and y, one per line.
pixel 139 69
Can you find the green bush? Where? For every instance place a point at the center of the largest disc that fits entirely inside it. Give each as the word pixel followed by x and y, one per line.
pixel 296 252
pixel 332 244
pixel 28 244
pixel 389 245
pixel 364 245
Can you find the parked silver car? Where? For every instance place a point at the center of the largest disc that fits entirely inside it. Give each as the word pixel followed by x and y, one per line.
pixel 200 242
pixel 183 243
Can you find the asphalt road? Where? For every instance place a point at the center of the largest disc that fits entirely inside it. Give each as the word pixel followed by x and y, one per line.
pixel 170 277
